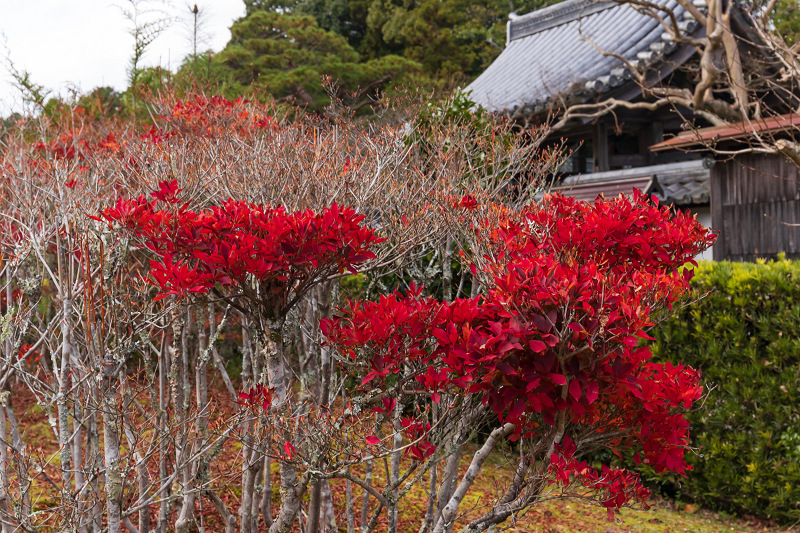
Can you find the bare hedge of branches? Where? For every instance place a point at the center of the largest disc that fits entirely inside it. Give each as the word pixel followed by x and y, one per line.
pixel 143 429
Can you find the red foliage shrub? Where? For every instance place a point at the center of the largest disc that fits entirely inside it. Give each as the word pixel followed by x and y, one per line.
pixel 228 245
pixel 553 346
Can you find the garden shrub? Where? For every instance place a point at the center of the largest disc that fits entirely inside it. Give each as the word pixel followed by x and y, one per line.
pixel 744 335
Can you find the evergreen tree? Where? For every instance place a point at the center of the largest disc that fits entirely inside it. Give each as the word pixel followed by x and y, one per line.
pixel 289 55
pixel 452 40
pixel 787 20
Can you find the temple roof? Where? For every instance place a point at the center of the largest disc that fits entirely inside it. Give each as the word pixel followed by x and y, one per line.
pixel 574 50
pixel 685 183
pixel 785 125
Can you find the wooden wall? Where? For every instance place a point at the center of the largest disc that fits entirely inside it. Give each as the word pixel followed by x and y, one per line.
pixel 755 207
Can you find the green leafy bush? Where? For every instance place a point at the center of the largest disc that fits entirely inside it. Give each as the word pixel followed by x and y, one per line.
pixel 744 335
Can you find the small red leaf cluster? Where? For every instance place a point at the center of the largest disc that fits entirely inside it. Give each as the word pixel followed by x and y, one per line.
pixel 71 145
pixel 613 487
pixel 557 334
pixel 203 117
pixel 468 202
pixel 288 450
pixel 258 396
pixel 415 431
pixel 227 245
pixel 16 294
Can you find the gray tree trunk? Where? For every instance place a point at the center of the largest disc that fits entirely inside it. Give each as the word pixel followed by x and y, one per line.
pixel 113 486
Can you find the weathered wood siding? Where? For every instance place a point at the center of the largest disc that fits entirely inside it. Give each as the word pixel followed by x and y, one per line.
pixel 755 207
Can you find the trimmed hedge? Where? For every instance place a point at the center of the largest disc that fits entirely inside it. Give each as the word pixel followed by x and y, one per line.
pixel 745 337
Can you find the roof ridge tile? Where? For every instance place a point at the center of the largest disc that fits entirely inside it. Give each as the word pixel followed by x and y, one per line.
pixel 555 15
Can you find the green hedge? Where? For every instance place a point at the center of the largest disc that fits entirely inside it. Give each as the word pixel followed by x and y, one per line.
pixel 745 337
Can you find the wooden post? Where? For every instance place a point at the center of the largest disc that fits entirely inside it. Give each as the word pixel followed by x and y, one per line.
pixel 600 144
pixel 651 134
pixel 719 250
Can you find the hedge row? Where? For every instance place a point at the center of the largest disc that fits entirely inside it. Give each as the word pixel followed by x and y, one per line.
pixel 744 335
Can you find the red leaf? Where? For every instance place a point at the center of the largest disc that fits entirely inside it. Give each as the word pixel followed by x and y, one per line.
pixel 372 440
pixel 643 335
pixel 575 389
pixel 288 449
pixel 537 346
pixel 532 384
pixel 558 379
pixel 468 202
pixel 516 409
pixel 630 341
pixel 591 392
pixel 506 369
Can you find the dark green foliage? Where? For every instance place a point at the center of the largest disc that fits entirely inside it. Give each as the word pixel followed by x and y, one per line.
pixel 10 121
pixel 745 337
pixel 787 20
pixel 101 102
pixel 456 110
pixel 453 40
pixel 289 55
pixel 344 17
pixel 251 6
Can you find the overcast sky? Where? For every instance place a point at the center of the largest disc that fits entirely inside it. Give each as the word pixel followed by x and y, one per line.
pixel 86 44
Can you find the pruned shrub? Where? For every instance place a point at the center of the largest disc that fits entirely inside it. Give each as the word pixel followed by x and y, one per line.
pixel 744 335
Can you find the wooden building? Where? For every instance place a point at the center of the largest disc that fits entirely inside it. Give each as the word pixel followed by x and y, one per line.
pixel 582 51
pixel 755 197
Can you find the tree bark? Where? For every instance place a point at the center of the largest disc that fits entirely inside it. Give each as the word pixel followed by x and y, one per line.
pixel 450 511
pixel 397 443
pixel 113 486
pixel 77 461
pixel 248 477
pixel 365 499
pixel 327 511
pixel 266 496
pixel 348 491
pixel 64 431
pixel 5 507
pixel 93 465
pixel 291 487
pixel 23 477
pixel 228 518
pixel 734 63
pixel 163 402
pixel 182 329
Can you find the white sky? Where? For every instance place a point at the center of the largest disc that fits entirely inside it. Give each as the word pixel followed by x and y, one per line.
pixel 86 44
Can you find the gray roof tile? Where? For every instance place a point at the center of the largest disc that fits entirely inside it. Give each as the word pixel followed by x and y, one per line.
pixel 555 51
pixel 687 188
pixel 685 183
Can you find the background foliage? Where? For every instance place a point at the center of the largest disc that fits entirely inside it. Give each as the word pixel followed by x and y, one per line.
pixel 285 48
pixel 745 337
pixel 286 45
